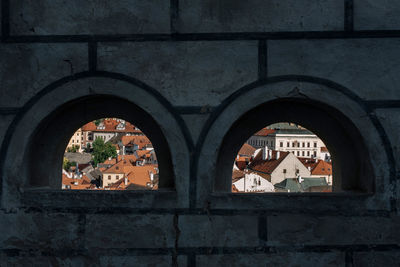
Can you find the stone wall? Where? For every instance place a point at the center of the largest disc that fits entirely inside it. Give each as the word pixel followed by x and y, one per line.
pixel 196 67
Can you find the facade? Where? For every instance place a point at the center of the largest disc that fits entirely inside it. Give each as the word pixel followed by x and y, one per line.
pixel 301 142
pixel 253 183
pixel 276 166
pixel 76 140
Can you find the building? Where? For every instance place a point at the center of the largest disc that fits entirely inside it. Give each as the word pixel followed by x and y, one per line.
pixel 107 129
pixel 251 183
pixel 76 140
pixel 276 166
pixel 299 141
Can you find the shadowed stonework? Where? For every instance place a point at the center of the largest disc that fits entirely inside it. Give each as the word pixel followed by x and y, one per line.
pixel 199 78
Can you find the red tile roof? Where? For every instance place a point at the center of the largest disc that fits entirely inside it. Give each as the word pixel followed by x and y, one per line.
pixel 139 140
pixel 318 167
pixel 246 150
pixel 110 125
pixel 267 166
pixel 264 132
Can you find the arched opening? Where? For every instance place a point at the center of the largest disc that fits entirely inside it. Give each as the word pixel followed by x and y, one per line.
pixel 51 139
pixel 109 154
pixel 352 168
pixel 282 157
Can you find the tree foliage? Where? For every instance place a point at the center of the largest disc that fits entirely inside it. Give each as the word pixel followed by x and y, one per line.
pixel 102 151
pixel 68 164
pixel 73 149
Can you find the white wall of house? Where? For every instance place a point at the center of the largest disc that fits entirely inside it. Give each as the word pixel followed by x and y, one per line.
pixel 252 182
pixel 290 167
pixel 110 178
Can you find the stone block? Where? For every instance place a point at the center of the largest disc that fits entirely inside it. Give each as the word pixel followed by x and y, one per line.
pixel 129 231
pixel 259 15
pixel 332 230
pixel 278 259
pixel 5 121
pixel 39 260
pixel 59 17
pixel 195 123
pixel 376 15
pixel 376 258
pixel 368 67
pixel 31 67
pixel 218 231
pixel 390 120
pixel 186 73
pixel 38 231
pixel 140 261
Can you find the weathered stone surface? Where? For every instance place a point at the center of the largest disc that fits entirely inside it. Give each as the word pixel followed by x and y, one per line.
pixel 368 67
pixel 49 17
pixel 195 124
pixel 258 15
pixel 143 261
pixel 199 230
pixel 38 231
pixel 376 258
pixel 39 260
pixel 390 120
pixel 31 67
pixel 186 73
pixel 5 121
pixel 376 15
pixel 279 259
pixel 331 230
pixel 129 231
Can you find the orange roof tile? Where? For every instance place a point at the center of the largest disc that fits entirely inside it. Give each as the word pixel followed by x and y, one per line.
pixel 264 132
pixel 247 150
pixel 267 166
pixel 110 125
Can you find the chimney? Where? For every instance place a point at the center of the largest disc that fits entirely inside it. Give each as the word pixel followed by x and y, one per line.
pixel 151 176
pixel 269 154
pixel 278 154
pixel 265 153
pixel 126 180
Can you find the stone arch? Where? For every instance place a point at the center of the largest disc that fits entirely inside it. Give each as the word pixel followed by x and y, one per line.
pixel 120 97
pixel 345 108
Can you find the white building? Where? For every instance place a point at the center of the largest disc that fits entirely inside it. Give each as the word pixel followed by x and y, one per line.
pixel 300 142
pixel 252 182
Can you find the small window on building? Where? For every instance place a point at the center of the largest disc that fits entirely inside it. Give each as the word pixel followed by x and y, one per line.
pixel 315 144
pixel 112 153
pixel 260 164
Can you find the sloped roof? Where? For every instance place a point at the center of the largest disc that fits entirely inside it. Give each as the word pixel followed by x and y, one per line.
pixel 267 166
pixel 237 175
pixel 139 140
pixel 293 184
pixel 318 167
pixel 246 150
pixel 264 132
pixel 110 125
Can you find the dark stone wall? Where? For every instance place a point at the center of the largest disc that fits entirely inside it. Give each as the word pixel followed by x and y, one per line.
pixel 196 67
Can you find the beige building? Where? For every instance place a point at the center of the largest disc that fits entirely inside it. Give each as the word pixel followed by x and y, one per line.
pixel 276 166
pixel 76 139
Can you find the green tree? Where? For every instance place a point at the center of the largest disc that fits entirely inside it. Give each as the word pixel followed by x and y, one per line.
pixel 68 164
pixel 88 148
pixel 97 122
pixel 73 149
pixel 102 151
